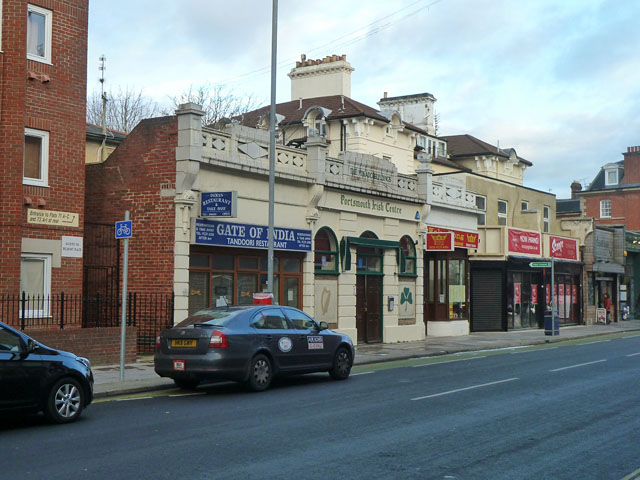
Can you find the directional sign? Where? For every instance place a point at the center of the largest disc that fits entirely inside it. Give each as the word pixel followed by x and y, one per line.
pixel 123 229
pixel 540 264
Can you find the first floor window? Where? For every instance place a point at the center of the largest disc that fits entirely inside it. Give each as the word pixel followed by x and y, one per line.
pixel 605 208
pixel 481 204
pixel 545 219
pixel 502 212
pixel 35 282
pixel 36 157
pixel 39 34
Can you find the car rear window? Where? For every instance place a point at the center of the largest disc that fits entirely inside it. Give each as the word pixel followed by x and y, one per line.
pixel 216 317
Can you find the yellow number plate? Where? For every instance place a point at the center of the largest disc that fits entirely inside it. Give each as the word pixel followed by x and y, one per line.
pixel 183 343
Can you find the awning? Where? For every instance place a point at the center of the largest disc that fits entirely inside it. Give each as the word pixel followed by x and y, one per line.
pixel 347 242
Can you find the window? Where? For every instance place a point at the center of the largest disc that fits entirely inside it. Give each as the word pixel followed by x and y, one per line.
pixel 545 219
pixel 605 208
pixel 408 260
pixel 481 204
pixel 325 252
pixel 611 177
pixel 524 206
pixel 442 151
pixel 35 282
pixel 270 319
pixel 10 344
pixel 39 34
pixel 502 212
pixel 300 320
pixel 36 157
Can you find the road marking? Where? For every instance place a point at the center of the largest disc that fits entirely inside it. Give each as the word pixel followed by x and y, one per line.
pixel 632 475
pixel 598 341
pixel 534 350
pixel 130 399
pixel 633 354
pixel 579 365
pixel 187 394
pixel 361 373
pixel 466 388
pixel 447 361
pixel 631 336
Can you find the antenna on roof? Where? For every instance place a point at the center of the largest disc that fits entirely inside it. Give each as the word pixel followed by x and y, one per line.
pixel 102 67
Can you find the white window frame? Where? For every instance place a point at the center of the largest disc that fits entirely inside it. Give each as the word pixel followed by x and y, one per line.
pixel 503 215
pixel 606 176
pixel 43 181
pixel 524 205
pixel 482 211
pixel 545 218
pixel 605 208
pixel 48 22
pixel 46 286
pixel 442 150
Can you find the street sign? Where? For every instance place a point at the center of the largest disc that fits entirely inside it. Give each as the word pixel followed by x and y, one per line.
pixel 540 264
pixel 123 229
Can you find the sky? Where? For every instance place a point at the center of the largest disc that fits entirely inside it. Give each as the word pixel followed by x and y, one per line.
pixel 558 80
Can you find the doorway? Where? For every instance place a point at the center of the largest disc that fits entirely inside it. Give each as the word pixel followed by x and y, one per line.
pixel 369 308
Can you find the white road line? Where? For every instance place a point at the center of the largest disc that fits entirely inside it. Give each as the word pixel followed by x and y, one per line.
pixel 187 394
pixel 466 388
pixel 534 350
pixel 447 361
pixel 631 336
pixel 130 399
pixel 361 373
pixel 632 354
pixel 599 341
pixel 579 365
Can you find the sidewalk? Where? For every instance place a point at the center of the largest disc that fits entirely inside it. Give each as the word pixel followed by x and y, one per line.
pixel 140 377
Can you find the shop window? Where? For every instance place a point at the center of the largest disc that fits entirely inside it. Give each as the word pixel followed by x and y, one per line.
pixel 408 256
pixel 457 289
pixel 605 208
pixel 36 157
pixel 39 34
pixel 481 204
pixel 502 212
pixel 325 252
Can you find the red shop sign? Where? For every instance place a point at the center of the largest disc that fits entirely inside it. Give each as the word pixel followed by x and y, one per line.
pixel 439 241
pixel 516 293
pixel 560 247
pixel 534 294
pixel 548 290
pixel 461 239
pixel 521 241
pixel 575 294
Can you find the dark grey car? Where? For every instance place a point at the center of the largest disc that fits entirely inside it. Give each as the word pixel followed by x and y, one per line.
pixel 250 344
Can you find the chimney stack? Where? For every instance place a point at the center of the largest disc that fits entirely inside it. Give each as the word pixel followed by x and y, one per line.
pixel 575 188
pixel 321 77
pixel 631 165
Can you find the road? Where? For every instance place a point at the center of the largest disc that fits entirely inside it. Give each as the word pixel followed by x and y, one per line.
pixel 562 411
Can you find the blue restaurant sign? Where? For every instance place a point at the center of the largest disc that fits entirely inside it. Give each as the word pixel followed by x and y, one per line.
pixel 219 204
pixel 226 234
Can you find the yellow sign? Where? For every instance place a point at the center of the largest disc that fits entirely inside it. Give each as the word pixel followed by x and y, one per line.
pixel 52 217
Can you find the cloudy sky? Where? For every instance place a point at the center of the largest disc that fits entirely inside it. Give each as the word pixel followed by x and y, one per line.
pixel 559 81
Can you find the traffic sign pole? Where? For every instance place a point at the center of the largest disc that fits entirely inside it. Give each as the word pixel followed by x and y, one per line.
pixel 123 317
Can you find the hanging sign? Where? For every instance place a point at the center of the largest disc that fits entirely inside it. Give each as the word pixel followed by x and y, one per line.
pixel 439 241
pixel 461 239
pixel 522 241
pixel 226 234
pixel 219 204
pixel 561 247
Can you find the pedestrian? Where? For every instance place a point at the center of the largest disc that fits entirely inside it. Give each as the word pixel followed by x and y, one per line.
pixel 607 306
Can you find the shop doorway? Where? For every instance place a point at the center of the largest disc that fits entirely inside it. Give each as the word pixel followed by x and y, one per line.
pixel 369 308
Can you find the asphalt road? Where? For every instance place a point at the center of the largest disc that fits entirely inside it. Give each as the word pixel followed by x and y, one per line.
pixel 558 412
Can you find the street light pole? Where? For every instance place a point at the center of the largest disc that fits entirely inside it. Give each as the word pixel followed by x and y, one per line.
pixel 272 142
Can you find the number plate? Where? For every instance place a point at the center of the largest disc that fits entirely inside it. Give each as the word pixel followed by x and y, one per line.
pixel 178 365
pixel 184 343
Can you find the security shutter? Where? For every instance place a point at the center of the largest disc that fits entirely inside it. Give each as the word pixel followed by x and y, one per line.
pixel 486 300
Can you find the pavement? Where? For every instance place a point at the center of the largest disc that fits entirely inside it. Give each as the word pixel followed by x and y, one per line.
pixel 140 377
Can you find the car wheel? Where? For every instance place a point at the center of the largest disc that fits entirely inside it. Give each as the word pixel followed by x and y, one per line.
pixel 186 383
pixel 341 364
pixel 260 373
pixel 65 401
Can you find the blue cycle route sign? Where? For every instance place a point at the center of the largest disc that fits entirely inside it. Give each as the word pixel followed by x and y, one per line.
pixel 124 229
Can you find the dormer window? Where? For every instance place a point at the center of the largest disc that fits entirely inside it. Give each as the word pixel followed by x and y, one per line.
pixel 611 176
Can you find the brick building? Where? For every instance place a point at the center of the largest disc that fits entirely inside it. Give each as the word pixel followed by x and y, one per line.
pixel 43 71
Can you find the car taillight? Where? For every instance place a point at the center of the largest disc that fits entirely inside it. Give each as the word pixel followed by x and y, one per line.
pixel 158 342
pixel 218 340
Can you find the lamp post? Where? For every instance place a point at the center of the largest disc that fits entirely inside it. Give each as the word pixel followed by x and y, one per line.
pixel 272 142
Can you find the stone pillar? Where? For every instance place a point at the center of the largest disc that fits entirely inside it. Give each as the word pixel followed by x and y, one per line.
pixel 347 281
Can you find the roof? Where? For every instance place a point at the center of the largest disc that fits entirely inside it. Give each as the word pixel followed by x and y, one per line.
pixel 94 132
pixel 341 107
pixel 468 145
pixel 570 205
pixel 414 96
pixel 598 181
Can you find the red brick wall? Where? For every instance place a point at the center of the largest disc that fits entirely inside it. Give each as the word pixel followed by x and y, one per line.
pixel 57 106
pixel 631 165
pixel 625 208
pixel 100 345
pixel 133 178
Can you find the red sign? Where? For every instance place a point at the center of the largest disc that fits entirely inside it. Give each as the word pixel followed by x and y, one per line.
pixel 534 294
pixel 560 247
pixel 521 241
pixel 439 241
pixel 516 293
pixel 461 239
pixel 575 294
pixel 548 290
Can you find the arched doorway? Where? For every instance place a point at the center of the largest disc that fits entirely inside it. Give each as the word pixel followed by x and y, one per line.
pixel 369 274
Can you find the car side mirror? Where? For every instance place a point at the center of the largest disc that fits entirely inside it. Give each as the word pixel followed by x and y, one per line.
pixel 31 346
pixel 324 325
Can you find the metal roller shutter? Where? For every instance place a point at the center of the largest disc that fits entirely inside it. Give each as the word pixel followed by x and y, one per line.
pixel 486 301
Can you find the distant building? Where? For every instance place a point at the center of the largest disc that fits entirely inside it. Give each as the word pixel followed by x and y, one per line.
pixel 95 141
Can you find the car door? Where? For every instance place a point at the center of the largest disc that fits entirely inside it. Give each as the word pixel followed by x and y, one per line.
pixel 274 332
pixel 19 372
pixel 314 348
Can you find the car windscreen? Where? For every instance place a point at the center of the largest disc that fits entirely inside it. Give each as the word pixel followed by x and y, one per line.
pixel 215 317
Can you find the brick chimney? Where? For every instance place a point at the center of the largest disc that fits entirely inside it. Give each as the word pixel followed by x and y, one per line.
pixel 330 75
pixel 631 165
pixel 575 188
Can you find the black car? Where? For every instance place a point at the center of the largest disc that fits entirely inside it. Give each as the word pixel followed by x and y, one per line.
pixel 35 378
pixel 250 344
